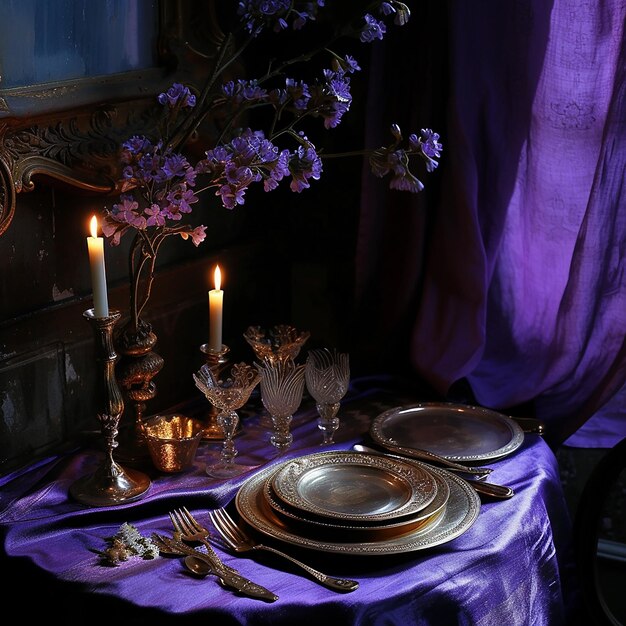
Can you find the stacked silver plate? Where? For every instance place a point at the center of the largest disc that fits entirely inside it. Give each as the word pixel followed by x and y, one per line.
pixel 457 432
pixel 356 503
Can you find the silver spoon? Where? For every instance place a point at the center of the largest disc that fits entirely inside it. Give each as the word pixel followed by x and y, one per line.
pixel 197 566
pixel 488 489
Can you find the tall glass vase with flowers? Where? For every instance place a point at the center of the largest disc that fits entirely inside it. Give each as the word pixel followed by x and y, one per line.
pixel 295 94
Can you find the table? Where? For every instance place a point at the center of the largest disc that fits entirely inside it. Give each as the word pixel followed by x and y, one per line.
pixel 512 567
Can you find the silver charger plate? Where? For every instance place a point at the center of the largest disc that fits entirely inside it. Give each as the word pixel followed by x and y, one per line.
pixel 352 486
pixel 427 515
pixel 457 432
pixel 457 517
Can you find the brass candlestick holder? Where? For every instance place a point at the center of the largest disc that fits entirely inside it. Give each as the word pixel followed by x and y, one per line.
pixel 110 484
pixel 216 361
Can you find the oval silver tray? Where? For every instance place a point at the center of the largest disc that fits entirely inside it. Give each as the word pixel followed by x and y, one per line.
pixel 457 517
pixel 354 486
pixel 457 432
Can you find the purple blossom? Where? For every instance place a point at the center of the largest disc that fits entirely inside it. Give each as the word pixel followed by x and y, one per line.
pixel 247 159
pixel 304 164
pixel 350 64
pixel 179 95
pixel 134 146
pixel 244 90
pixel 406 182
pixel 127 211
pixel 175 165
pixel 395 159
pixel 430 145
pixel 332 98
pixel 123 215
pixel 277 169
pixel 198 235
pixel 372 29
pixel 257 14
pixel 180 198
pixel 155 215
pixel 299 92
pixel 231 195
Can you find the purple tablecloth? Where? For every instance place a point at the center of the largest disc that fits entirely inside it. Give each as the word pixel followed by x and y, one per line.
pixel 511 567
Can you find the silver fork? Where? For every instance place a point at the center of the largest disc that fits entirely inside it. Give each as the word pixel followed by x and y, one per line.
pixel 188 529
pixel 239 541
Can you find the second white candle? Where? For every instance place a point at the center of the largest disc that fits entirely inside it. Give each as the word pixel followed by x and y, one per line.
pixel 216 303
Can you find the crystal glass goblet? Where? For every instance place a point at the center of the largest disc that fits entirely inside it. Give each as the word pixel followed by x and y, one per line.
pixel 227 396
pixel 282 388
pixel 279 343
pixel 327 376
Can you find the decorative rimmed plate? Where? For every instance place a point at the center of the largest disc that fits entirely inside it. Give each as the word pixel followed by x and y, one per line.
pixel 352 486
pixel 353 531
pixel 458 516
pixel 456 432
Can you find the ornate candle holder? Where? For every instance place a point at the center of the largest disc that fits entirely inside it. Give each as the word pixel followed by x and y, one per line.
pixel 228 396
pixel 111 483
pixel 216 361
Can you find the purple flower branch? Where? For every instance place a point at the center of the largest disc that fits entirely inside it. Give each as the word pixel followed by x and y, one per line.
pixel 159 183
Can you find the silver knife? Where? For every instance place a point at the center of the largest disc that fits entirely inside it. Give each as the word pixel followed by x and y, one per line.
pixel 226 574
pixel 487 489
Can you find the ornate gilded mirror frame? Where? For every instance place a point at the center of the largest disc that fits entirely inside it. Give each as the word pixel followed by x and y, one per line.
pixel 68 132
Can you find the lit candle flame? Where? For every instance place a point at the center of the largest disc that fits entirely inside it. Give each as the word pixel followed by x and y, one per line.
pixel 93 226
pixel 217 277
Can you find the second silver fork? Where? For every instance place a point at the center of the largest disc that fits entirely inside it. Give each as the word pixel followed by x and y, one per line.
pixel 239 541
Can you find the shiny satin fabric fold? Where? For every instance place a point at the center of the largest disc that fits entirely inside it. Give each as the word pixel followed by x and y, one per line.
pixel 513 566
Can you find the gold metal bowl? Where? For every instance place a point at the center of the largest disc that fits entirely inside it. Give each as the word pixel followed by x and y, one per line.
pixel 172 441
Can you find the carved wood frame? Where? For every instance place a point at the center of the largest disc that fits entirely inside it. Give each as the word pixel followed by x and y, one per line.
pixel 68 133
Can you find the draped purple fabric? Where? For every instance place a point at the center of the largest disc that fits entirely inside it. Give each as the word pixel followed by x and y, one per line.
pixel 524 288
pixel 513 566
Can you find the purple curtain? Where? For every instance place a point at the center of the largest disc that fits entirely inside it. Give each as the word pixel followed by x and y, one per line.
pixel 522 284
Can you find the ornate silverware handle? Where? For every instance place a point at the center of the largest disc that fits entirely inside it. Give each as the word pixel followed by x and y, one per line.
pixel 491 489
pixel 339 584
pixel 530 424
pixel 435 458
pixel 415 453
pixel 232 578
pixel 229 576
